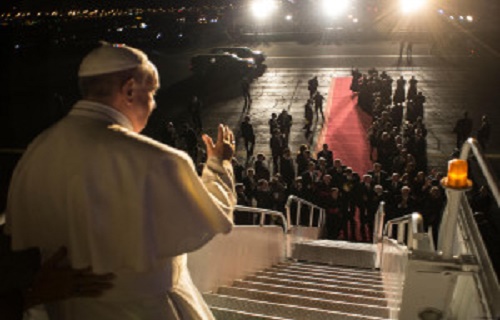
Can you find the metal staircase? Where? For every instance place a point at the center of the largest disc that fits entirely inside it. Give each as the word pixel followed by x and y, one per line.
pixel 303 290
pixel 284 272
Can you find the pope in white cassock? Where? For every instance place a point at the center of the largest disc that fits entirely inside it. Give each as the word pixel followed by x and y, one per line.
pixel 119 201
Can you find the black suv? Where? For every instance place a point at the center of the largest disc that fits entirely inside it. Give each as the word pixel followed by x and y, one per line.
pixel 205 64
pixel 243 52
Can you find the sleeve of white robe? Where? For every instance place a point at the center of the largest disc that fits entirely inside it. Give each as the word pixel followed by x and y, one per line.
pixel 197 209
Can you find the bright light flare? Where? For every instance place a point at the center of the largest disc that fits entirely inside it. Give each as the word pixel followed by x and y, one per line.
pixel 288 18
pixel 335 8
pixel 411 6
pixel 469 18
pixel 262 9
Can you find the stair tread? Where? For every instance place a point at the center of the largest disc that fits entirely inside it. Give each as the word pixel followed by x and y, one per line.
pixel 283 310
pixel 243 315
pixel 312 302
pixel 358 284
pixel 313 274
pixel 329 268
pixel 311 284
pixel 311 292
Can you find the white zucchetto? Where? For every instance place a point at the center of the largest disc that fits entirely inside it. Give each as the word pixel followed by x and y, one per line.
pixel 109 58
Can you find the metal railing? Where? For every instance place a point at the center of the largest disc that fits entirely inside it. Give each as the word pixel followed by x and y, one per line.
pixel 486 276
pixel 312 209
pixel 262 215
pixel 472 145
pixel 410 232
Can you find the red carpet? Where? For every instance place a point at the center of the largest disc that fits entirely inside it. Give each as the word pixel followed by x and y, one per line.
pixel 346 127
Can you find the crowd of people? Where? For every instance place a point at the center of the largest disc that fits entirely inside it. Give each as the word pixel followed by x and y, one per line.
pixel 400 176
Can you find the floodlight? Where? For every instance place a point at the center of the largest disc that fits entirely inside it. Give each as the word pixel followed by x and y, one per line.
pixel 262 9
pixel 335 8
pixel 411 6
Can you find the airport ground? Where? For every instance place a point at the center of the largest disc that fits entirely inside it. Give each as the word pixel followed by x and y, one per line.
pixel 452 80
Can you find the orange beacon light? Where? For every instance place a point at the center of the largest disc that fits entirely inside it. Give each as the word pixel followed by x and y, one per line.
pixel 457 175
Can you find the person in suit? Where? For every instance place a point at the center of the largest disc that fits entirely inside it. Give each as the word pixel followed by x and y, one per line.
pixel 327 154
pixel 379 176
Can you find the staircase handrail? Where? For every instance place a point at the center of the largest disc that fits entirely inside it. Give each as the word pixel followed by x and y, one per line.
pixel 263 212
pixel 300 202
pixel 471 144
pixel 416 238
pixel 486 274
pixel 378 228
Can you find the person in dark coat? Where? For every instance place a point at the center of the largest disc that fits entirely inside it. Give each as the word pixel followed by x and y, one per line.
pixel 277 145
pixel 399 95
pixel 463 129
pixel 432 211
pixel 365 195
pixel 263 195
pixel 356 75
pixel 285 121
pixel 412 89
pixel 287 167
pixel 327 154
pixel 309 116
pixel 248 135
pixel 245 91
pixel 261 168
pixel 312 86
pixel 483 133
pixel 250 183
pixel 334 209
pixel 318 104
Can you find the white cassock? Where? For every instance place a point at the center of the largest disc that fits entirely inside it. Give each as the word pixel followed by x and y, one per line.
pixel 123 203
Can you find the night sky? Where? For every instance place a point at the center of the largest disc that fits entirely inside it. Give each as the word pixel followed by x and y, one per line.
pixel 56 4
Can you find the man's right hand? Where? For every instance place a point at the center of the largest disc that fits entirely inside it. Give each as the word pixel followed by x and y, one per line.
pixel 224 148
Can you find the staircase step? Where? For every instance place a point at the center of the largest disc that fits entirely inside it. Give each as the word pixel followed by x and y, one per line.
pixel 324 275
pixel 322 280
pixel 281 310
pixel 325 268
pixel 309 302
pixel 312 293
pixel 228 314
pixel 308 284
pixel 328 269
pixel 342 253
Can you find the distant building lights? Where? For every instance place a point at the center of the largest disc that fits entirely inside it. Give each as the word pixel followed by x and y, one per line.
pixel 461 17
pixel 469 18
pixel 452 18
